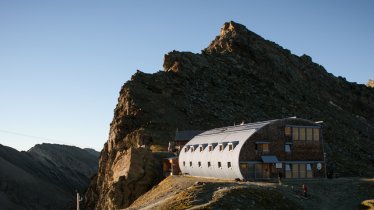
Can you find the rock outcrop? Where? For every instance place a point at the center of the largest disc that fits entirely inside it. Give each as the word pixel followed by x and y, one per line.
pixel 371 83
pixel 239 77
pixel 45 177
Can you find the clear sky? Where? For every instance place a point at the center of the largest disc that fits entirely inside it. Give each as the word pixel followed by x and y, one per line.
pixel 63 62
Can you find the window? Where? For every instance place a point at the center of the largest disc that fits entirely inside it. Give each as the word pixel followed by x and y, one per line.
pixel 309 172
pixel 302 171
pixel 302 134
pixel 210 147
pixel 199 164
pixel 309 134
pixel 265 147
pixel 186 149
pixel 308 167
pixel 288 171
pixel 219 165
pixel 295 170
pixel 231 147
pixel 190 163
pixel 220 147
pixel 192 148
pixel 201 148
pixel 209 164
pixel 295 134
pixel 287 131
pixel 316 134
pixel 184 163
pixel 228 164
pixel 287 148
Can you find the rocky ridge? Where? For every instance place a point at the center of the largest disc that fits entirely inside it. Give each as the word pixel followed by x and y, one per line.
pixel 239 77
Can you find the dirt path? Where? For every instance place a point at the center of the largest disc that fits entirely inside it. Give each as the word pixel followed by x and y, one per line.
pixel 181 192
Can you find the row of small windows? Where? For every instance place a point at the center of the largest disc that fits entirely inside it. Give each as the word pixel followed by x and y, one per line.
pixel 219 164
pixel 210 147
pixel 303 133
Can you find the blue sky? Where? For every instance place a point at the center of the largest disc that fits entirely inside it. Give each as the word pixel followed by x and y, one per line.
pixel 62 63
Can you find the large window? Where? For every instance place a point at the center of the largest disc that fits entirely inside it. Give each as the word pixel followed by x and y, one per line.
pixel 305 134
pixel 228 164
pixel 309 134
pixel 221 147
pixel 209 164
pixel 302 134
pixel 295 133
pixel 295 170
pixel 288 171
pixel 302 170
pixel 309 172
pixel 219 165
pixel 316 134
pixel 190 163
pixel 199 164
pixel 287 131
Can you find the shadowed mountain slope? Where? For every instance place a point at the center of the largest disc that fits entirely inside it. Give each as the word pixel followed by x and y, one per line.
pixel 239 77
pixel 45 177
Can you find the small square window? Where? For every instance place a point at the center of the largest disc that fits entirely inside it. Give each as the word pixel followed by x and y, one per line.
pixel 287 148
pixel 265 147
pixel 231 147
pixel 186 149
pixel 210 147
pixel 219 165
pixel 308 167
pixel 199 164
pixel 190 163
pixel 288 167
pixel 209 164
pixel 228 164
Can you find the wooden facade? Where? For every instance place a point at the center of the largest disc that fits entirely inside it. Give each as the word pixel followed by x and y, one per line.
pixel 297 145
pixel 291 148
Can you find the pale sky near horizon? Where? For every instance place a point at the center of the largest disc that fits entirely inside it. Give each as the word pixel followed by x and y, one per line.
pixel 63 62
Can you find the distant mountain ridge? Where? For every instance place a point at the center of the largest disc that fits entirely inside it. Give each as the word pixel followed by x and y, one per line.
pixel 44 177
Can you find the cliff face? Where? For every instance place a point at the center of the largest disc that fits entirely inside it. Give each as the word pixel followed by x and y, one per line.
pixel 239 77
pixel 45 177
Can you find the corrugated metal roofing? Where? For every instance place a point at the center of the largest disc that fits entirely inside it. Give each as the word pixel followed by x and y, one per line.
pixel 218 163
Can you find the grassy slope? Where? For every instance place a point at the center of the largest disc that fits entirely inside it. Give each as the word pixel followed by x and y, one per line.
pixel 180 192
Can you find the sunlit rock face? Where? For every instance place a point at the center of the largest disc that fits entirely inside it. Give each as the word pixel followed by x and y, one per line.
pixel 239 77
pixel 371 83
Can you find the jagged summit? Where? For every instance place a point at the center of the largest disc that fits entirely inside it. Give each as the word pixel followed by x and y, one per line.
pixel 239 76
pixel 233 37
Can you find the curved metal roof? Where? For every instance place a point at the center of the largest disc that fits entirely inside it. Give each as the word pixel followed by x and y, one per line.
pixel 229 159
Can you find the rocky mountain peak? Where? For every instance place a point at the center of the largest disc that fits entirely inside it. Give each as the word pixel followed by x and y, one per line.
pixel 233 38
pixel 239 76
